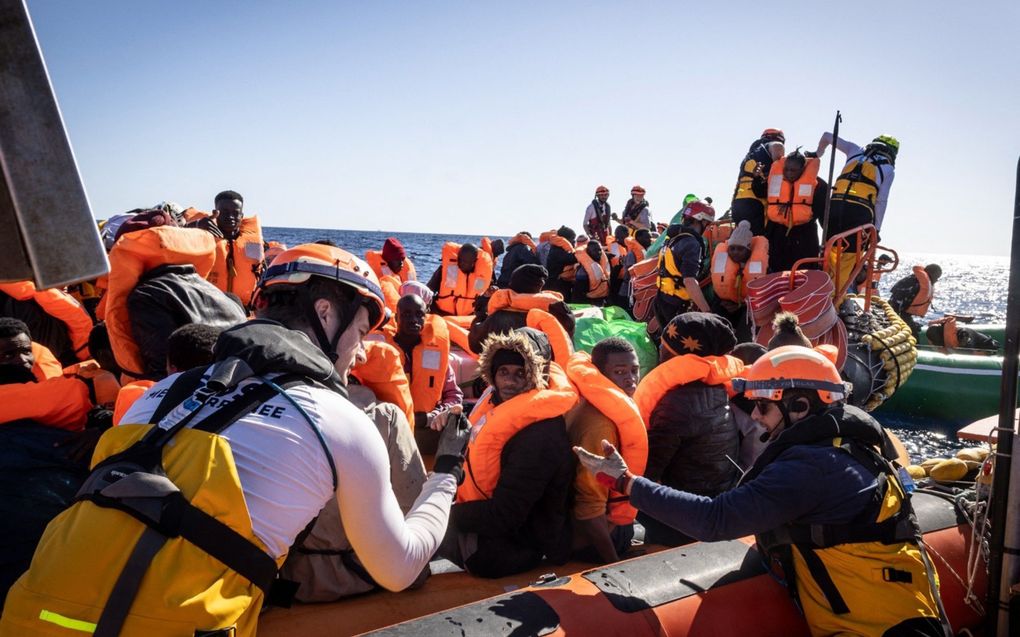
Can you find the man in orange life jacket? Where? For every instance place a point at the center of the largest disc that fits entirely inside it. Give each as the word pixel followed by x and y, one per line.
pixel 738 250
pixel 559 260
pixel 467 258
pixel 511 509
pixel 591 284
pixel 56 319
pixel 911 296
pixel 796 205
pixel 616 360
pixel 242 266
pixel 412 315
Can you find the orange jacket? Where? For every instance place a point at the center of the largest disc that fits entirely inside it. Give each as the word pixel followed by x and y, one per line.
pixel 636 248
pixel 789 202
pixel 61 306
pixel 239 261
pixel 127 396
pixel 46 364
pixel 56 402
pixel 457 290
pixel 105 385
pixel 598 273
pixel 609 399
pixel 430 361
pixel 922 301
pixel 680 370
pixel 507 299
pixel 495 425
pixel 132 256
pixel 375 261
pixel 729 278
pixel 459 334
pixel 383 373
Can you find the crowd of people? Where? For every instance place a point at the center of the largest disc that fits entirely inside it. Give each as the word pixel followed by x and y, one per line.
pixel 266 423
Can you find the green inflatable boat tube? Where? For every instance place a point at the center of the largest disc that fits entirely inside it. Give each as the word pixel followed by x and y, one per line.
pixel 959 387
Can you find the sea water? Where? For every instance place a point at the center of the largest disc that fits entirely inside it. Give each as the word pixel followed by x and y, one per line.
pixel 970 285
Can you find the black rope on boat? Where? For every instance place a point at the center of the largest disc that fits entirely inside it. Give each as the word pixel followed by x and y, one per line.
pixel 899 378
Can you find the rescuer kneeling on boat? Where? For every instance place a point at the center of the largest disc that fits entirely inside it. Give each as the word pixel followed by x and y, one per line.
pixel 181 527
pixel 821 501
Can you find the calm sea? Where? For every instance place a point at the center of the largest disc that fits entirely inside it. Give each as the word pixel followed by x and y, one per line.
pixel 970 285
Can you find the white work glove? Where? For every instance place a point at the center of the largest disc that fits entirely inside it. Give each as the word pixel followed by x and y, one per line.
pixel 610 470
pixel 437 419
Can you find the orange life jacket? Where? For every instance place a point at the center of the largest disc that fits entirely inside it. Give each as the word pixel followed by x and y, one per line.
pixel 507 299
pixel 55 402
pixel 614 404
pixel 105 385
pixel 680 370
pixel 132 256
pixel 239 261
pixel 717 232
pixel 636 248
pixel 559 340
pixel 457 290
pixel 598 273
pixel 486 245
pixel 615 251
pixel 495 425
pixel 524 239
pixel 729 278
pixel 390 286
pixel 273 250
pixel 46 364
pixel 61 306
pixel 922 301
pixel 459 335
pixel 383 373
pixel 375 261
pixel 430 361
pixel 790 203
pixel 129 393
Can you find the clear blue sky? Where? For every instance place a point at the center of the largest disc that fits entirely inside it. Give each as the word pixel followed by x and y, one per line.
pixel 484 117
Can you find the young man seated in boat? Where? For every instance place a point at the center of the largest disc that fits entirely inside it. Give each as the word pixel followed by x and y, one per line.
pixel 603 519
pixel 824 504
pixel 511 509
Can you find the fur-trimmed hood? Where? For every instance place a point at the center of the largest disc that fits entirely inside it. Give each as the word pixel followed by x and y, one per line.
pixel 532 345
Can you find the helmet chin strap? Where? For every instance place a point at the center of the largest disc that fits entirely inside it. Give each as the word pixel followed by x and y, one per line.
pixel 345 315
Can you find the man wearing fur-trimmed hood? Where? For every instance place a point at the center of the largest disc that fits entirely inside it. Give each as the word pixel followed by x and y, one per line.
pixel 511 509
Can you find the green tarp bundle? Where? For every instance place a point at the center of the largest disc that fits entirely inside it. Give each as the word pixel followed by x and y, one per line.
pixel 616 322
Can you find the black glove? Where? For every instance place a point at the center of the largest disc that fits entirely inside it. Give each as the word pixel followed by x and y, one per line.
pixel 450 450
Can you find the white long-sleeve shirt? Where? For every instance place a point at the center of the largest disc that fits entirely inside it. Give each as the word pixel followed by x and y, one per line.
pixel 886 172
pixel 286 480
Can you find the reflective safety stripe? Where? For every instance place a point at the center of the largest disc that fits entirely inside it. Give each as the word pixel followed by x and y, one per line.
pixel 67 622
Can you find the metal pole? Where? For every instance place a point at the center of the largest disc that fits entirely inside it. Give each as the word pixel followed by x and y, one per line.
pixel 832 170
pixel 1004 542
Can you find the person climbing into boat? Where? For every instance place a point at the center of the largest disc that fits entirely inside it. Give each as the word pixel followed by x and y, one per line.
pixel 680 265
pixel 511 308
pixel 821 500
pixel 56 318
pixel 912 295
pixel 596 217
pixel 693 441
pixel 860 194
pixel 796 204
pixel 520 251
pixel 512 508
pixel 607 380
pixel 735 263
pixel 636 214
pixel 561 262
pixel 749 195
pixel 392 260
pixel 591 282
pixel 238 245
pixel 464 274
pixel 423 341
pixel 244 492
pixel 156 285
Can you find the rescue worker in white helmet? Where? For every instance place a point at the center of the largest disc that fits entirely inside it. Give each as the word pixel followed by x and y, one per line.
pixel 822 499
pixel 262 440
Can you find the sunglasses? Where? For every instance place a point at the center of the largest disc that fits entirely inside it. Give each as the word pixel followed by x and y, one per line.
pixel 763 405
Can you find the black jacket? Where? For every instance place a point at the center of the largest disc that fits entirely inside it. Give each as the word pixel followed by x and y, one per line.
pixel 516 255
pixel 691 434
pixel 557 260
pixel 527 516
pixel 168 297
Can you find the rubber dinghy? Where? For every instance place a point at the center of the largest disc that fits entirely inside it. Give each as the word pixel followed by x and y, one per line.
pixel 716 588
pixel 959 385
